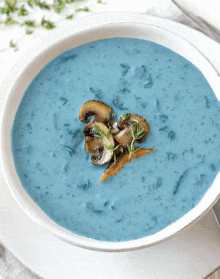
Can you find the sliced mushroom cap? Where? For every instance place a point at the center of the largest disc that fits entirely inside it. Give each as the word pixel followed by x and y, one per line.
pixel 115 167
pixel 100 155
pixel 124 137
pixel 134 120
pixel 115 130
pixel 92 144
pixel 100 112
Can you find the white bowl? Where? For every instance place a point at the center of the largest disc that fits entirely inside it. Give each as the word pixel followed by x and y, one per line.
pixel 94 28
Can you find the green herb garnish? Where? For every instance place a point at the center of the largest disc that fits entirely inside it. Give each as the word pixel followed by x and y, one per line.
pixel 115 158
pixel 132 150
pixel 124 116
pixel 29 32
pixel 59 5
pixel 10 21
pixel 69 17
pixel 99 133
pixel 10 7
pixel 86 9
pixel 29 23
pixel 138 134
pixel 111 147
pixel 134 122
pixel 22 11
pixel 42 5
pixel 135 136
pixel 47 24
pixel 30 3
pixel 12 45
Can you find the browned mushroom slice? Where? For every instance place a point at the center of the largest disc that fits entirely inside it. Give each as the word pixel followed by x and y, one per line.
pixel 115 130
pixel 100 112
pixel 115 167
pixel 124 137
pixel 92 144
pixel 134 120
pixel 97 139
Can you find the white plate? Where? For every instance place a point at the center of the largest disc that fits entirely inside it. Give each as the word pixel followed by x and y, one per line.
pixel 49 257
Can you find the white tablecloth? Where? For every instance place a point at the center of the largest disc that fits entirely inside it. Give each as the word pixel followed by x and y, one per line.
pixel 10 268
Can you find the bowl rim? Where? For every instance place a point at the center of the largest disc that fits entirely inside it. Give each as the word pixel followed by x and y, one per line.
pixel 26 202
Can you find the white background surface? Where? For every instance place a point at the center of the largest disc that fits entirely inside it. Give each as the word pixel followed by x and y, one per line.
pixel 191 254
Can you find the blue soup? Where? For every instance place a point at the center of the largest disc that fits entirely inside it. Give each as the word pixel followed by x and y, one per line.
pixel 131 76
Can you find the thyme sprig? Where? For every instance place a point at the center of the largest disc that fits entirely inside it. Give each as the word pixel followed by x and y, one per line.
pixel 99 133
pixel 134 122
pixel 112 148
pixel 124 116
pixel 138 134
pixel 132 149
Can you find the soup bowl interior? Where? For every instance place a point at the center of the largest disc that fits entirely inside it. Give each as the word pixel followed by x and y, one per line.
pixel 28 68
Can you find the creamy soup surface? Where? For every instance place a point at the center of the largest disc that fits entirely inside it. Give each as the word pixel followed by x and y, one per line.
pixel 131 76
